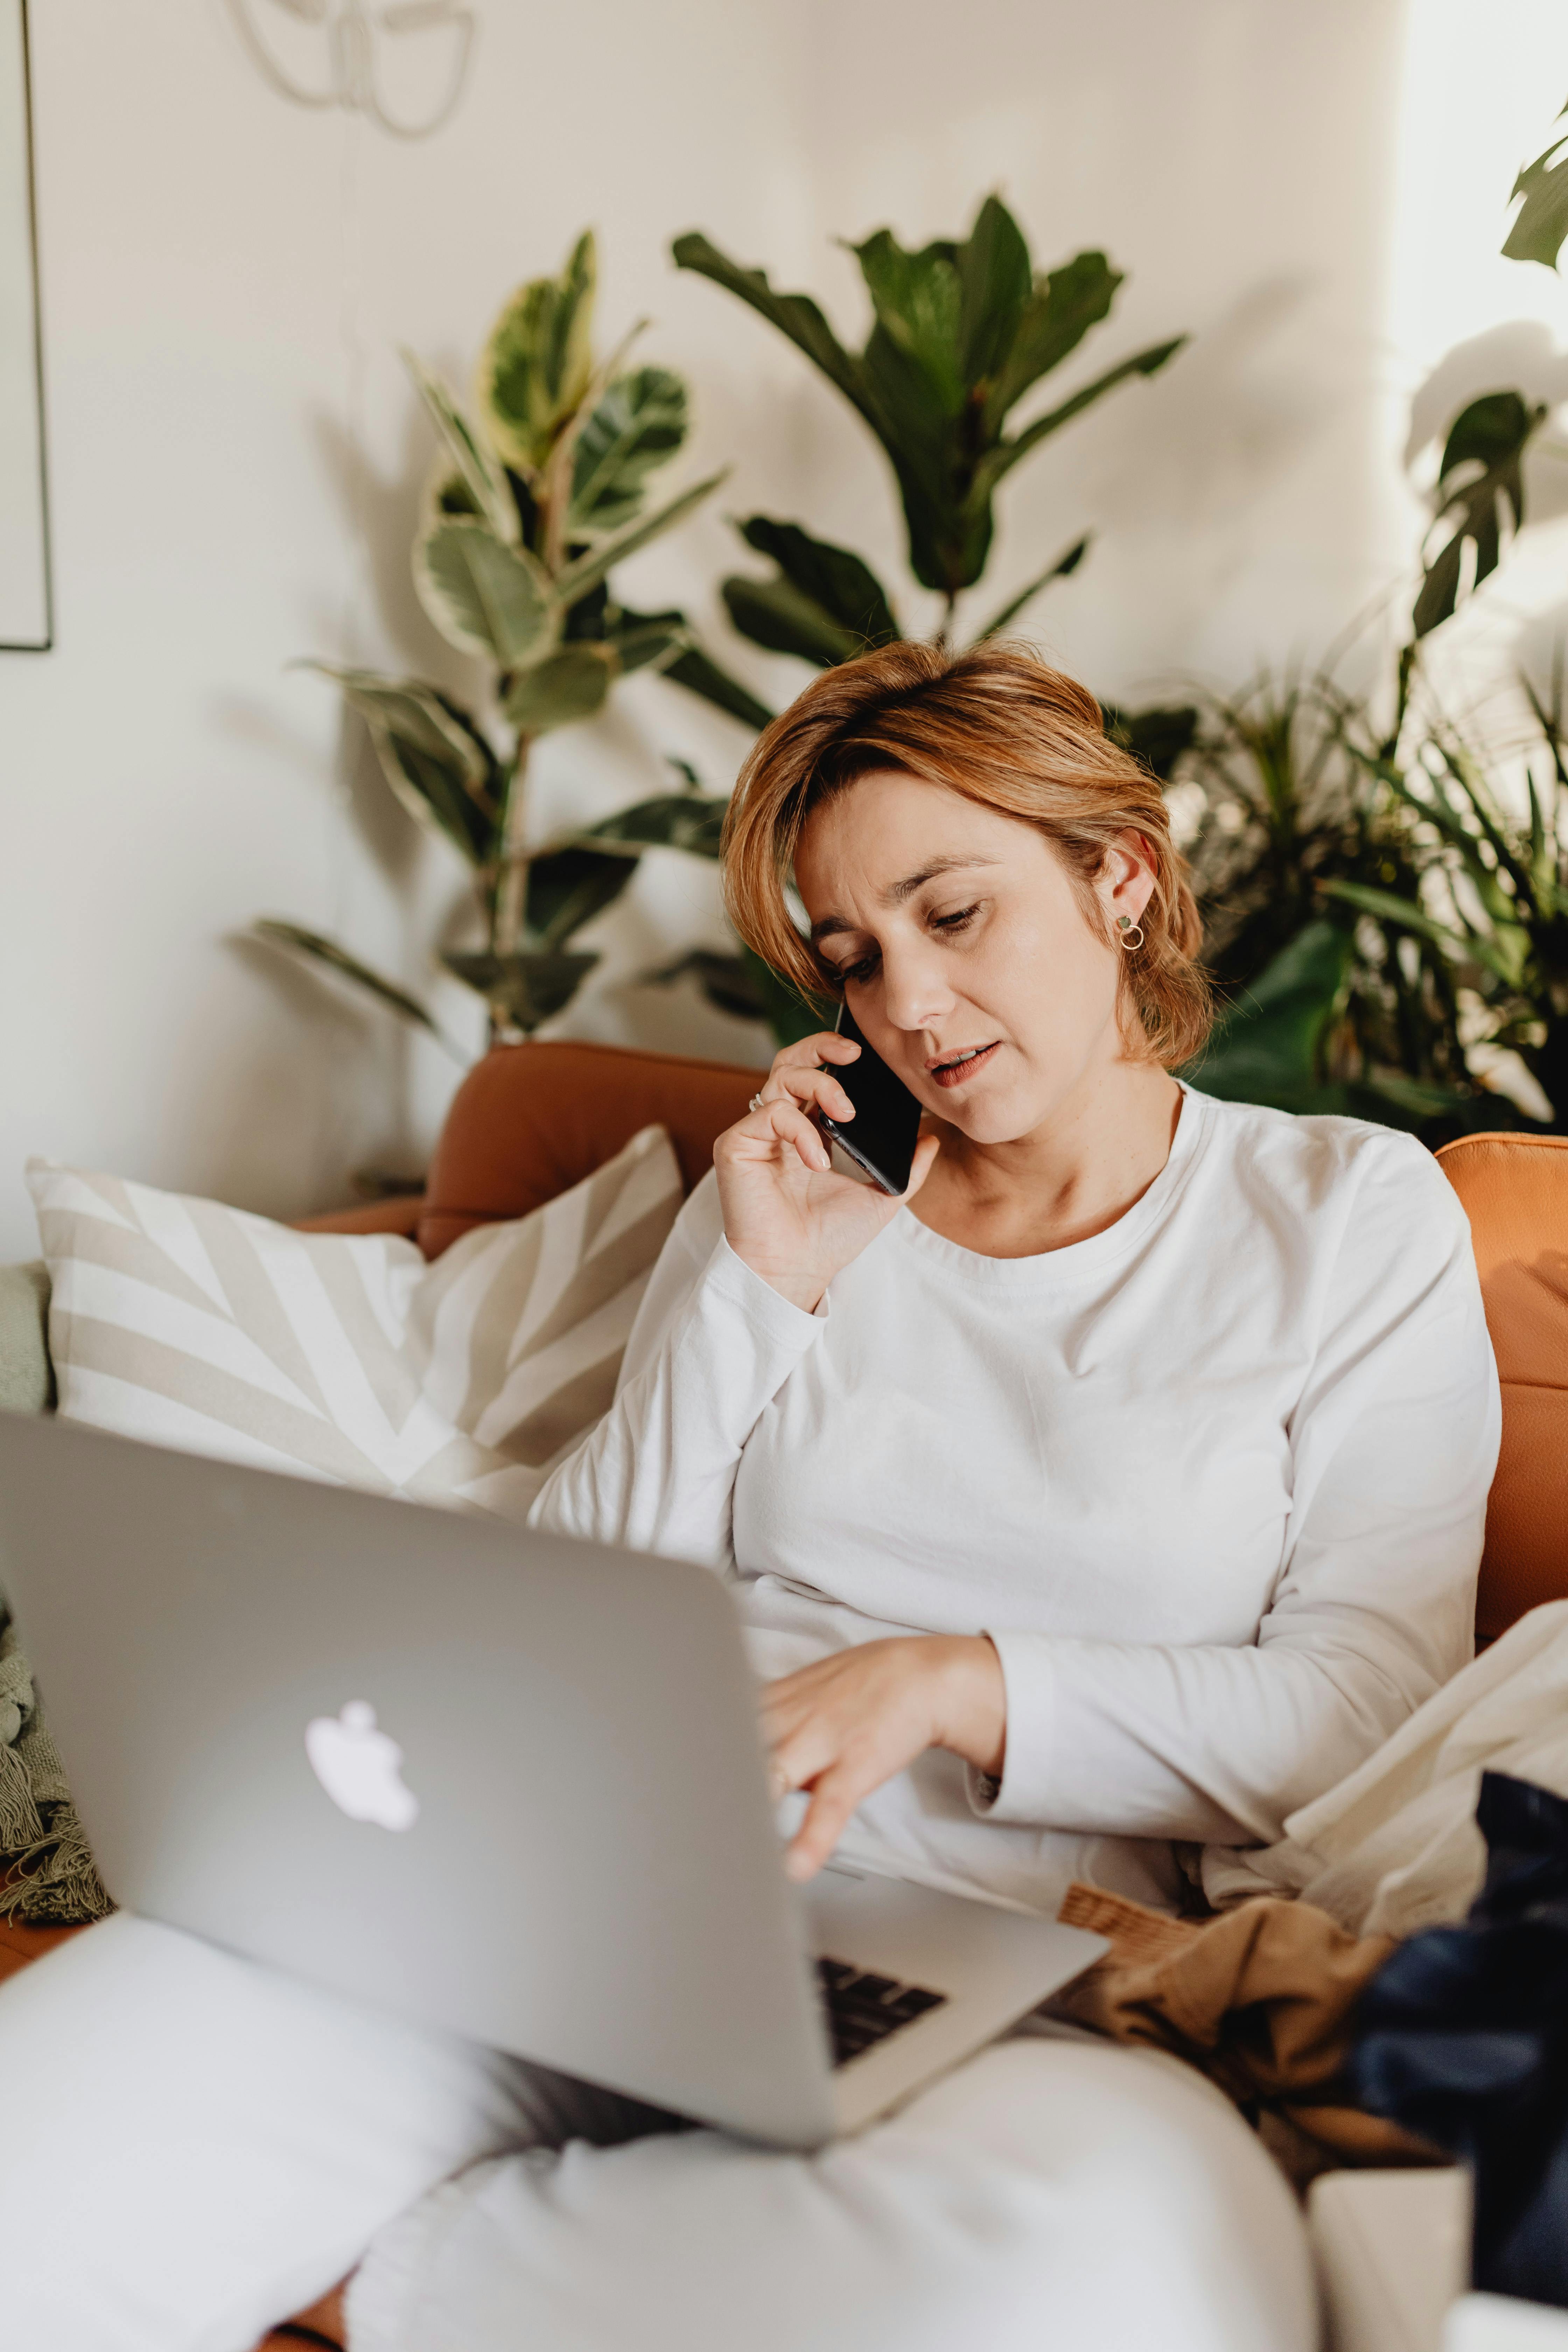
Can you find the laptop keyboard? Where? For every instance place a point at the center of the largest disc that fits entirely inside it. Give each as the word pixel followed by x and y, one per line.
pixel 864 2010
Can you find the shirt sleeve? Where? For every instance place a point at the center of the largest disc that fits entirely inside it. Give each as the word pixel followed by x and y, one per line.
pixel 1393 1445
pixel 711 1346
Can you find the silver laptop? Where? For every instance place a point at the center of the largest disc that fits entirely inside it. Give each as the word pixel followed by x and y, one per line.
pixel 508 1784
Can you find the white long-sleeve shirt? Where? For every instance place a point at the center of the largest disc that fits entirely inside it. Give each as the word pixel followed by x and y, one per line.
pixel 1214 1481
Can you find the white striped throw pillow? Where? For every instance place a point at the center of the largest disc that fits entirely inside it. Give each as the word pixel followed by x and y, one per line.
pixel 345 1356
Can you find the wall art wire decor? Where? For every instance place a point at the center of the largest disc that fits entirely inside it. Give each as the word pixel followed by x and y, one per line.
pixel 341 53
pixel 27 622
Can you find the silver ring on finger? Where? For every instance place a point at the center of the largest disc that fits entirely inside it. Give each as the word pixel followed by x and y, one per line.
pixel 755 1103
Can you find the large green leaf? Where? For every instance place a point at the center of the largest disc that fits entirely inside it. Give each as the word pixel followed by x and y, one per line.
pixel 1060 309
pixel 1542 224
pixel 637 426
pixel 925 447
pixel 564 688
pixel 1158 734
pixel 1006 455
pixel 1059 569
pixel 538 364
pixel 690 821
pixel 1266 1045
pixel 319 949
pixel 843 587
pixel 649 644
pixel 746 988
pixel 585 571
pixel 485 597
pixel 691 668
pixel 1504 951
pixel 774 615
pixel 432 754
pixel 525 989
pixel 919 301
pixel 1484 446
pixel 700 674
pixel 482 478
pixel 794 315
pixel 568 886
pixel 993 271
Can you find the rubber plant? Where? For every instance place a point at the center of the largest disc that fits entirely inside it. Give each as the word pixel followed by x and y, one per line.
pixel 541 490
pixel 962 333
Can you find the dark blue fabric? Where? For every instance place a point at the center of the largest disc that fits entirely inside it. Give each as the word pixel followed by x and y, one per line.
pixel 1462 2037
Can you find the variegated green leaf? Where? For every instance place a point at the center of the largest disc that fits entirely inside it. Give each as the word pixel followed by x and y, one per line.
pixel 525 989
pixel 538 364
pixel 636 426
pixel 432 754
pixel 485 597
pixel 575 579
pixel 565 687
pixel 480 474
pixel 317 949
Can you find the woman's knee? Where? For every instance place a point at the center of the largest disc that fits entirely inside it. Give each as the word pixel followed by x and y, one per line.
pixel 1128 2187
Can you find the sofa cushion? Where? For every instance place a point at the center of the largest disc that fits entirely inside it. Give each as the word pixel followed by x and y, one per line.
pixel 345 1356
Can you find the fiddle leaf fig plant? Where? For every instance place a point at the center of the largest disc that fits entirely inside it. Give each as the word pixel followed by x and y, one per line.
pixel 962 332
pixel 538 494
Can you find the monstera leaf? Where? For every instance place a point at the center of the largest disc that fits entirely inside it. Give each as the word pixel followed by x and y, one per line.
pixel 1481 476
pixel 538 364
pixel 484 596
pixel 962 331
pixel 1542 223
pixel 434 757
pixel 637 425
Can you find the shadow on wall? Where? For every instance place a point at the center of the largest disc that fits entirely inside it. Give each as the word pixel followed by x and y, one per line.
pixel 1519 355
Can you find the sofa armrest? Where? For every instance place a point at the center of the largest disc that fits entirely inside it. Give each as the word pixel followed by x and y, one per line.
pixel 400 1215
pixel 26 1377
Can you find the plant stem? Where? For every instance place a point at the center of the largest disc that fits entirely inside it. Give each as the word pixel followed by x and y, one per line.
pixel 944 634
pixel 509 904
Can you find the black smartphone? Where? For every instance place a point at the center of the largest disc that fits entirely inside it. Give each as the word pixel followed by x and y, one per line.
pixel 887 1122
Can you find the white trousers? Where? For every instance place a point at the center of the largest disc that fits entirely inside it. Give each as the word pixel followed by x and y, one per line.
pixel 192 2145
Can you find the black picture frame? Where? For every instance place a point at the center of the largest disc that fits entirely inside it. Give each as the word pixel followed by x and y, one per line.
pixel 44 643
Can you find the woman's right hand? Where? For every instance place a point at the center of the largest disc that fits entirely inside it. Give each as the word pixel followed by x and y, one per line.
pixel 786 1213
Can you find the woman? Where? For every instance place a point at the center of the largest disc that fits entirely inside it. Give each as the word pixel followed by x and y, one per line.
pixel 1108 1497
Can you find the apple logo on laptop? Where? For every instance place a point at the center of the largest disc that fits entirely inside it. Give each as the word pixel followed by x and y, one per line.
pixel 360 1768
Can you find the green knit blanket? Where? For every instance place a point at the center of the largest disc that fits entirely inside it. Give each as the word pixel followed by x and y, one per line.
pixel 46 1873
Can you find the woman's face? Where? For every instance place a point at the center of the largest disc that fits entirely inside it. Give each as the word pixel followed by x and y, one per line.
pixel 966 957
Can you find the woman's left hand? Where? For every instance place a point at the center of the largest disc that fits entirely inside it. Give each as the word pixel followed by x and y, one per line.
pixel 843 1725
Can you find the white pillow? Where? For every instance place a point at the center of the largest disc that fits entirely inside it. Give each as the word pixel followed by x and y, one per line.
pixel 345 1356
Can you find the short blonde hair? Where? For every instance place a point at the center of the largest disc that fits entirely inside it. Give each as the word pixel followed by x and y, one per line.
pixel 998 727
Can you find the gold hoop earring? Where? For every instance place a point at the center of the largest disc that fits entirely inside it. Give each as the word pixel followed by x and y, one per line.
pixel 1132 933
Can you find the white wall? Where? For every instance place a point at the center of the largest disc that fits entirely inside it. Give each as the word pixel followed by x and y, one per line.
pixel 235 459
